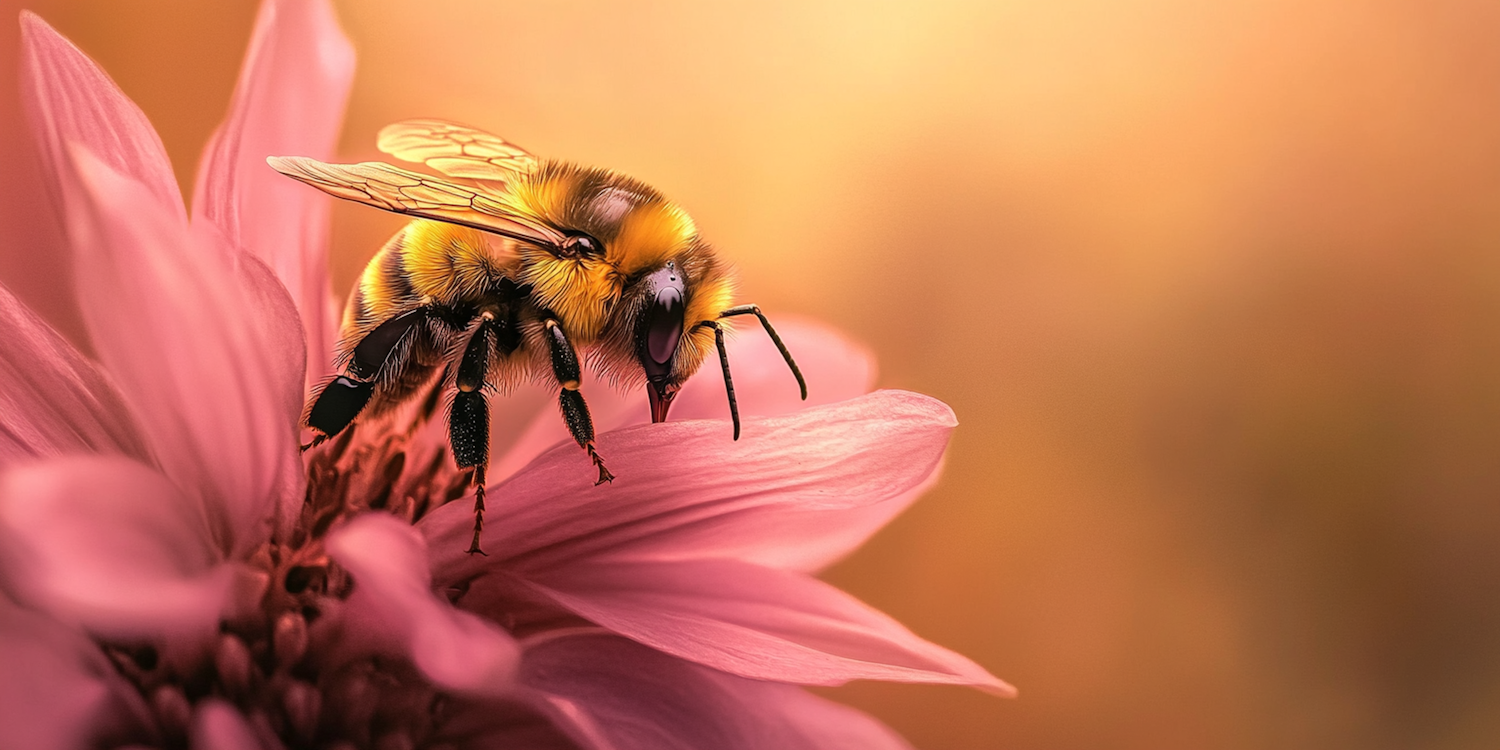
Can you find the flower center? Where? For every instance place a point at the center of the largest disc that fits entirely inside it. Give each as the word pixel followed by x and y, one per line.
pixel 282 659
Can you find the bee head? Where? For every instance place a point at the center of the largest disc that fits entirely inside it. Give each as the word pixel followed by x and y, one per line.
pixel 658 332
pixel 636 260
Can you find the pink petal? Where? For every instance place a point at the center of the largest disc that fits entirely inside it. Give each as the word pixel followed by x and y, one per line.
pixel 289 100
pixel 53 400
pixel 755 622
pixel 644 700
pixel 203 344
pixel 836 369
pixel 777 497
pixel 217 725
pixel 57 690
pixel 539 722
pixel 69 99
pixel 393 603
pixel 109 544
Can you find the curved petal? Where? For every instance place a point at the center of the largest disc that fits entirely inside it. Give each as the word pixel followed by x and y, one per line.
pixel 112 546
pixel 218 725
pixel 289 100
pixel 202 344
pixel 69 99
pixel 52 400
pixel 685 490
pixel 836 369
pixel 57 689
pixel 527 722
pixel 644 700
pixel 393 603
pixel 755 622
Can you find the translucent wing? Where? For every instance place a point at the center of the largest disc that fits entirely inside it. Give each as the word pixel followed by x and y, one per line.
pixel 403 192
pixel 455 150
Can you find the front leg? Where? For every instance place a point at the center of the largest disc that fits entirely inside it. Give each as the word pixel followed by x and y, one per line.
pixel 575 411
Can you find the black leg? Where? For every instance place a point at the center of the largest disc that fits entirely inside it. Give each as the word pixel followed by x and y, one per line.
pixel 575 411
pixel 469 418
pixel 734 407
pixel 344 397
pixel 786 355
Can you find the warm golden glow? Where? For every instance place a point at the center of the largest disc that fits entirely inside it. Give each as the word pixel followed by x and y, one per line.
pixel 1213 287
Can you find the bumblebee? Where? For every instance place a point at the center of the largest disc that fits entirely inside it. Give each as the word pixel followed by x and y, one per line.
pixel 517 268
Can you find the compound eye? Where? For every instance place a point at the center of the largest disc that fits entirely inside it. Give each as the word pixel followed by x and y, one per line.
pixel 580 244
pixel 661 325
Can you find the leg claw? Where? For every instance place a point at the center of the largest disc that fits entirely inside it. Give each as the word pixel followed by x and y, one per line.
pixel 604 474
pixel 478 511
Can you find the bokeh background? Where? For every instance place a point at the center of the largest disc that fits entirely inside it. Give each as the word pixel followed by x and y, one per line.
pixel 1214 289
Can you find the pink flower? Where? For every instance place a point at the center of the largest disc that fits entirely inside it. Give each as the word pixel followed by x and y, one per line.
pixel 172 572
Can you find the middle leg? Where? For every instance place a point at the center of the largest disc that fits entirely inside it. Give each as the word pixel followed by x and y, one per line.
pixel 575 411
pixel 469 417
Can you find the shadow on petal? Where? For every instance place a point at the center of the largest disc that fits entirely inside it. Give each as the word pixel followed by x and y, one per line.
pixel 756 622
pixel 640 699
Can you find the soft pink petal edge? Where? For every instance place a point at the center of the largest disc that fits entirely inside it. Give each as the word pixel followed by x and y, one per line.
pixel 393 603
pixel 54 401
pixel 110 545
pixel 756 622
pixel 57 689
pixel 69 99
pixel 289 100
pixel 218 725
pixel 202 344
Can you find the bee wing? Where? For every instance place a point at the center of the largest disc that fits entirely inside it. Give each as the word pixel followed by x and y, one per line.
pixel 403 192
pixel 455 150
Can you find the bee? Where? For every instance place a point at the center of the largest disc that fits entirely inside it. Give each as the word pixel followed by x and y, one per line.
pixel 516 268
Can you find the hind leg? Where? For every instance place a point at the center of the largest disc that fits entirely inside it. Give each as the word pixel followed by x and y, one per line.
pixel 469 418
pixel 342 399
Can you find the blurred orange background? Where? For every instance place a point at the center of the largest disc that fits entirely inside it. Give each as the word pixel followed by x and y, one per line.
pixel 1214 289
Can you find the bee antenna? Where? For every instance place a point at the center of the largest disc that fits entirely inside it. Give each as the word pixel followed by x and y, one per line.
pixel 734 407
pixel 786 355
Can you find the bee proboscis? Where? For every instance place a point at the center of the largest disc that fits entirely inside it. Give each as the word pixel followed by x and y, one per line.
pixel 511 268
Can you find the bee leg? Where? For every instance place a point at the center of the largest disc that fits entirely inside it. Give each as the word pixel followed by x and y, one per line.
pixel 785 354
pixel 469 419
pixel 344 397
pixel 340 401
pixel 575 410
pixel 734 406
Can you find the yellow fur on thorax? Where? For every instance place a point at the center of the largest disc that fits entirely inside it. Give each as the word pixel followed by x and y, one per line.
pixel 580 291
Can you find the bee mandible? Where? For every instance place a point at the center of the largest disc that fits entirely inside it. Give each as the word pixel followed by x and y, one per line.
pixel 511 269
